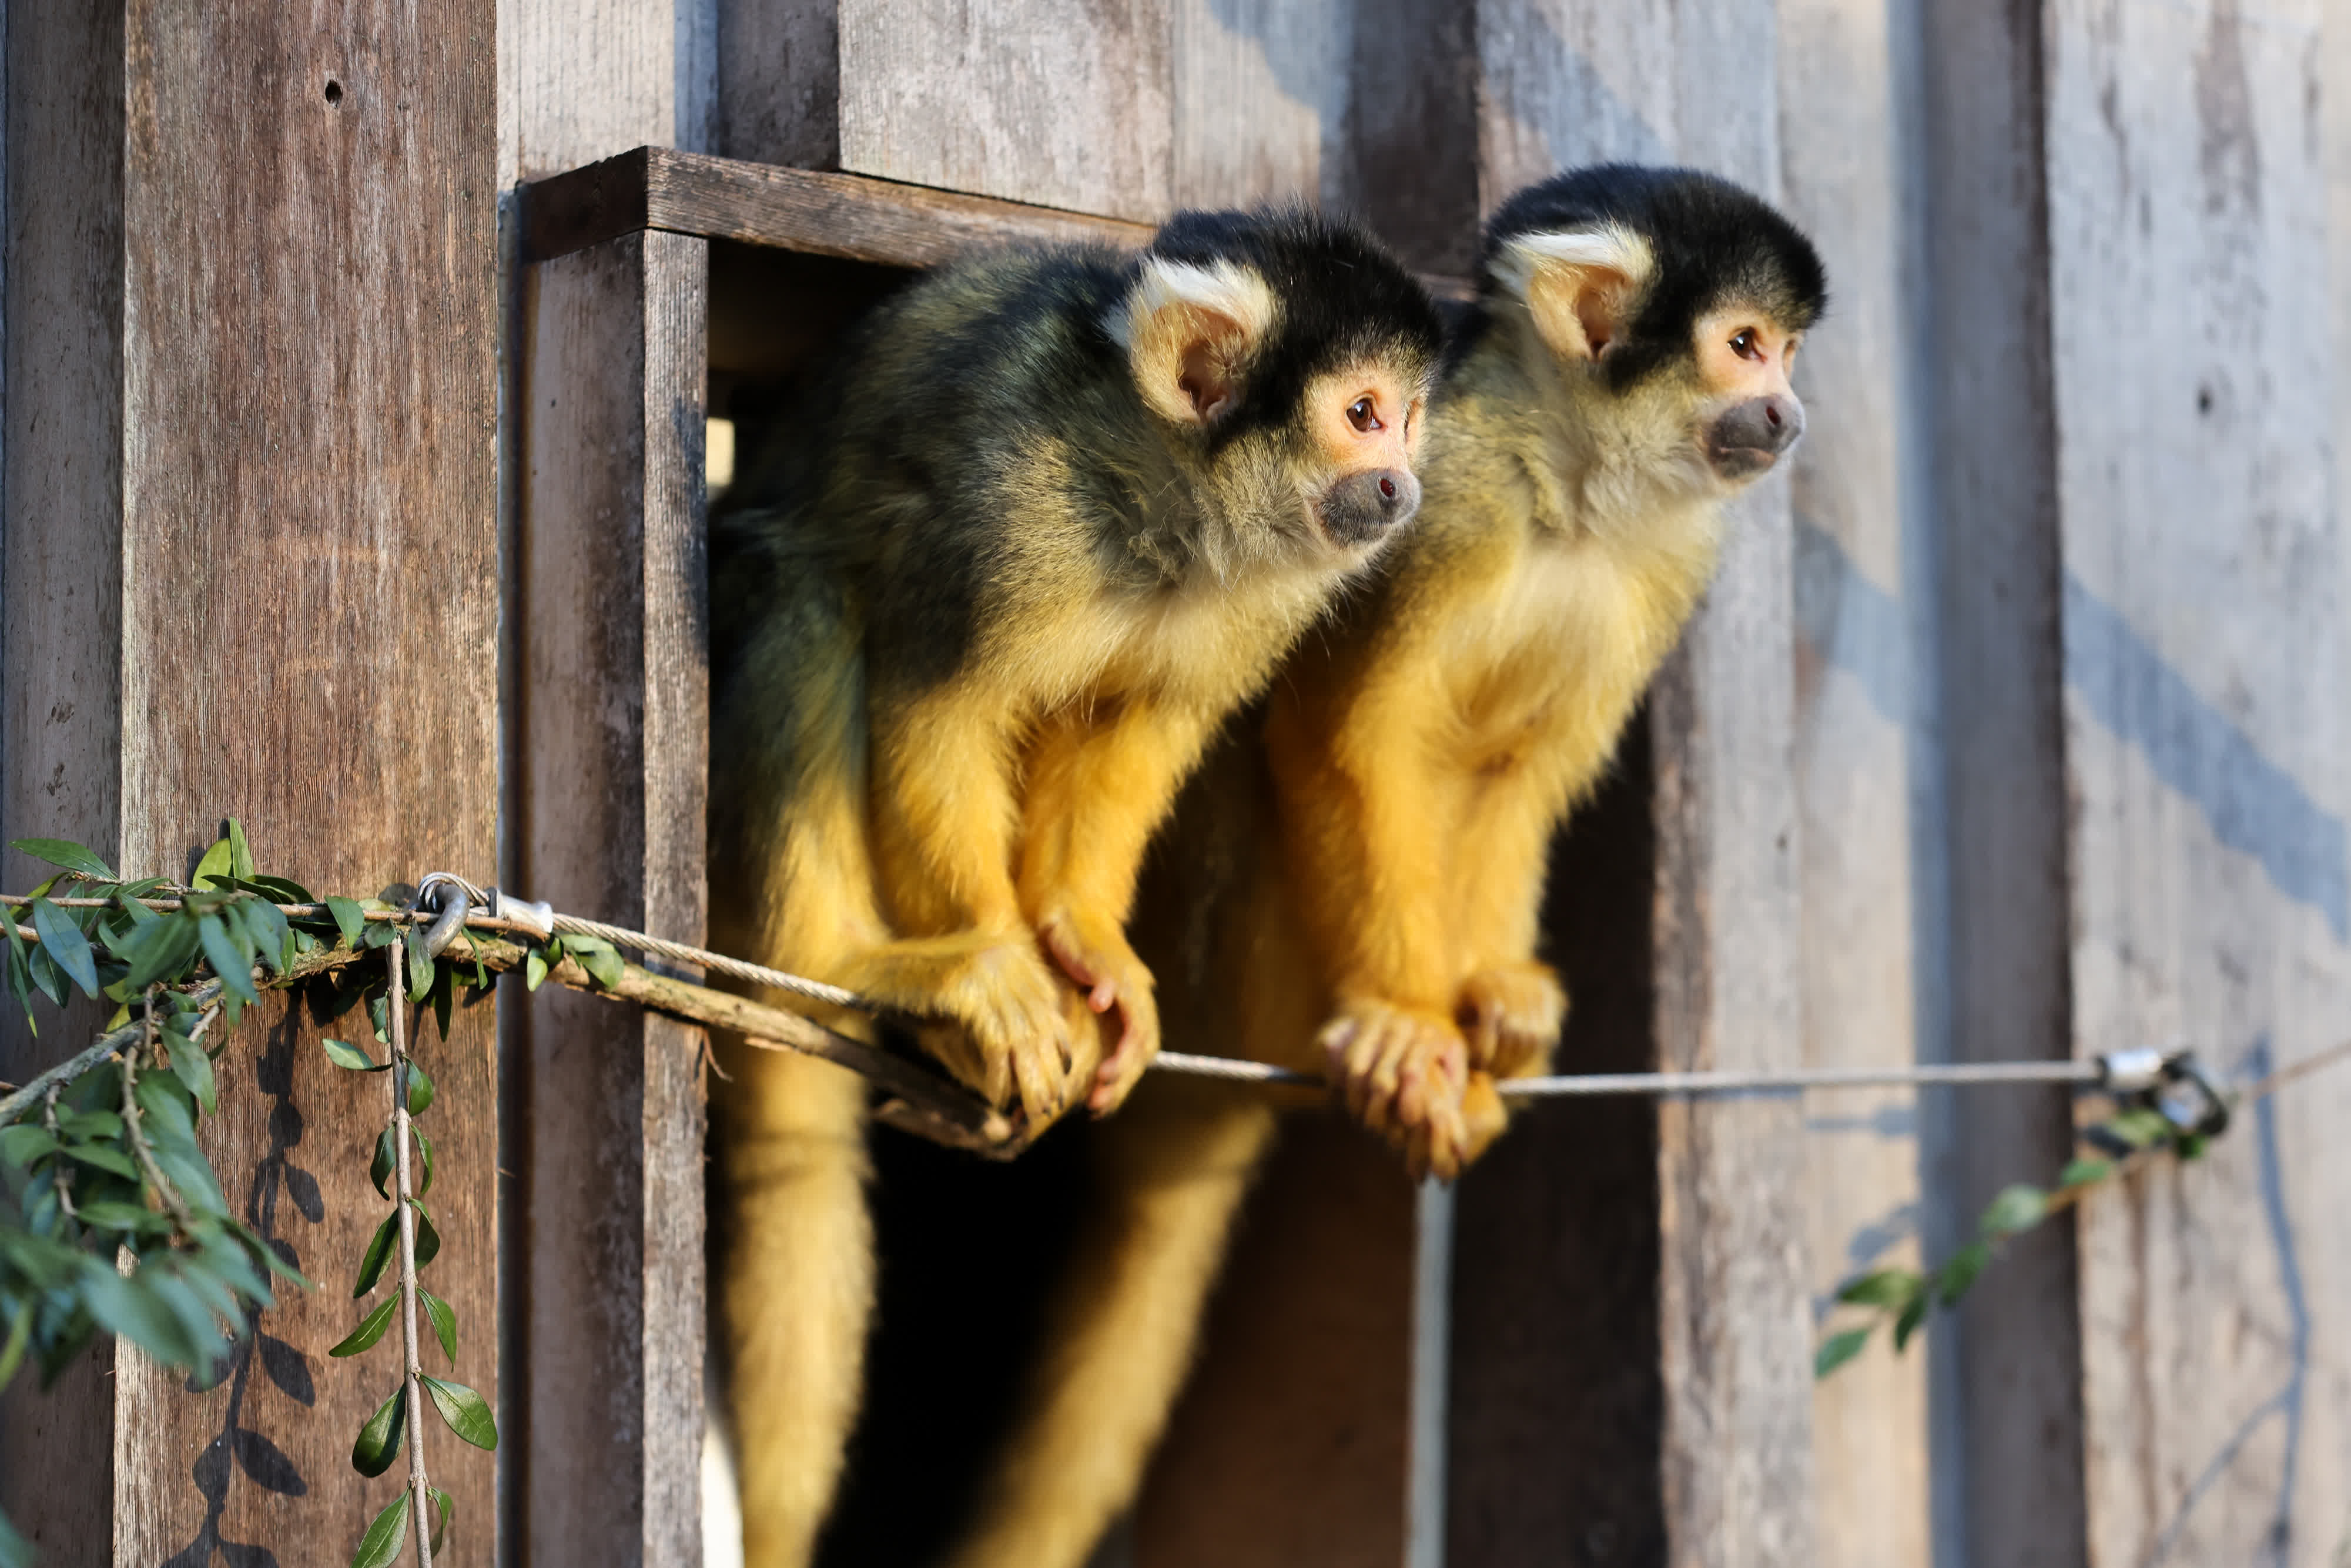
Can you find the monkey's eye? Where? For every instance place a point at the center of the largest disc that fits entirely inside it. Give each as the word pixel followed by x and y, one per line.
pixel 1365 416
pixel 1744 344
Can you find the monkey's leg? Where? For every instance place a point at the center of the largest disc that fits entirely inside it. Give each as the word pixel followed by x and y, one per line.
pixel 944 819
pixel 1097 788
pixel 1366 811
pixel 797 1289
pixel 1171 1170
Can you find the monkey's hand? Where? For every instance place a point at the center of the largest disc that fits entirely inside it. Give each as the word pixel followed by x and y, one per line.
pixel 1095 955
pixel 1010 1030
pixel 1510 1015
pixel 1401 1072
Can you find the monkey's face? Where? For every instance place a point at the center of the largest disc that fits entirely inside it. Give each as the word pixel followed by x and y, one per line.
pixel 1750 415
pixel 1356 455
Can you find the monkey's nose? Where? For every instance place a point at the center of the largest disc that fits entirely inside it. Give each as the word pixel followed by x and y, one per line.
pixel 1362 507
pixel 1748 437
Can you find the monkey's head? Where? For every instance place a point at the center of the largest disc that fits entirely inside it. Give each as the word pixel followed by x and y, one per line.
pixel 1671 304
pixel 1290 359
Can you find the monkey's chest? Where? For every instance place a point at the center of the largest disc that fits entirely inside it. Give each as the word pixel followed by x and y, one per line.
pixel 1556 665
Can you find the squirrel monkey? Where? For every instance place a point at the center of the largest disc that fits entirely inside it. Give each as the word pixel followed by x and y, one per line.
pixel 1050 519
pixel 1357 879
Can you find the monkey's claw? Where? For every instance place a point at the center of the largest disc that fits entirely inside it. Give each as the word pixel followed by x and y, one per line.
pixel 1401 1072
pixel 1009 1034
pixel 1512 1014
pixel 1095 955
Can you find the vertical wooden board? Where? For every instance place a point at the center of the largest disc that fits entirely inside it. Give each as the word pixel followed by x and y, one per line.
pixel 1309 1364
pixel 583 80
pixel 1260 99
pixel 60 619
pixel 1034 103
pixel 1556 1398
pixel 2204 603
pixel 307 368
pixel 1855 708
pixel 1411 143
pixel 1564 84
pixel 2009 1486
pixel 778 64
pixel 612 754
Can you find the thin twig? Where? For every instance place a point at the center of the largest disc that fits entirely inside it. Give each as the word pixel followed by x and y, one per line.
pixel 396 1008
pixel 58 1178
pixel 137 1136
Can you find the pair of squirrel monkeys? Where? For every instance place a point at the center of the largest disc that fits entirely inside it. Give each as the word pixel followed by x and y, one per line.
pixel 1058 532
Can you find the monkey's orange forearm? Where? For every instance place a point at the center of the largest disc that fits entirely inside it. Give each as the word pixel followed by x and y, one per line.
pixel 943 816
pixel 1098 786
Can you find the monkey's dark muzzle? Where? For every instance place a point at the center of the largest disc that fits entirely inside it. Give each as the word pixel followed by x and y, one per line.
pixel 1362 506
pixel 1748 438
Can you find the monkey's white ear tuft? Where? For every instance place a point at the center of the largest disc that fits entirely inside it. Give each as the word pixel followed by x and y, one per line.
pixel 1188 331
pixel 1579 286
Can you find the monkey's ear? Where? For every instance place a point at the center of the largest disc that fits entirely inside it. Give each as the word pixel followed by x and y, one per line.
pixel 1580 286
pixel 1188 331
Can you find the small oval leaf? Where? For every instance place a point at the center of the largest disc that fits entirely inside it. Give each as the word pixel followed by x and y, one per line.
pixel 378 1443
pixel 349 922
pixel 64 852
pixel 379 1253
pixel 344 1054
pixel 420 1089
pixel 467 1412
pixel 66 945
pixel 444 1322
pixel 1838 1349
pixel 384 1538
pixel 371 1329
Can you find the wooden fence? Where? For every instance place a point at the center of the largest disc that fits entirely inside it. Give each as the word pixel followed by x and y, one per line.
pixel 353 470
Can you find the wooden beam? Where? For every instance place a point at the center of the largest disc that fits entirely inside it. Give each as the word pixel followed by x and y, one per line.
pixel 846 215
pixel 613 746
pixel 262 537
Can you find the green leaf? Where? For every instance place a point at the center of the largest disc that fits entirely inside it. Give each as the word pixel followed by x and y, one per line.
pixel 234 969
pixel 420 1089
pixel 385 1537
pixel 380 1250
pixel 2017 1208
pixel 240 853
pixel 371 1329
pixel 379 933
pixel 25 1142
pixel 1959 1270
pixel 445 996
pixel 534 968
pixel 378 1443
pixel 16 1551
pixel 444 1324
pixel 99 1124
pixel 1907 1323
pixel 48 979
pixel 2191 1145
pixel 106 1214
pixel 268 930
pixel 428 1239
pixel 349 922
pixel 160 951
pixel 20 977
pixel 604 964
pixel 129 1309
pixel 346 1055
pixel 63 942
pixel 20 1334
pixel 215 865
pixel 441 1511
pixel 1838 1349
pixel 423 1172
pixel 195 1069
pixel 1887 1288
pixel 419 968
pixel 277 889
pixel 386 1162
pixel 105 1159
pixel 468 1412
pixel 2138 1128
pixel 64 852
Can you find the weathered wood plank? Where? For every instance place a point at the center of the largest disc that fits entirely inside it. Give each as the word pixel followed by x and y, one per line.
pixel 1258 97
pixel 2008 1452
pixel 60 635
pixel 1289 1446
pixel 1063 108
pixel 613 746
pixel 1563 84
pixel 307 490
pixel 2206 752
pixel 1857 548
pixel 779 82
pixel 844 215
pixel 583 80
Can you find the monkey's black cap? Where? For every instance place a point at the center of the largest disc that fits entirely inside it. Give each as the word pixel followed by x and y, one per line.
pixel 1712 242
pixel 1343 298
